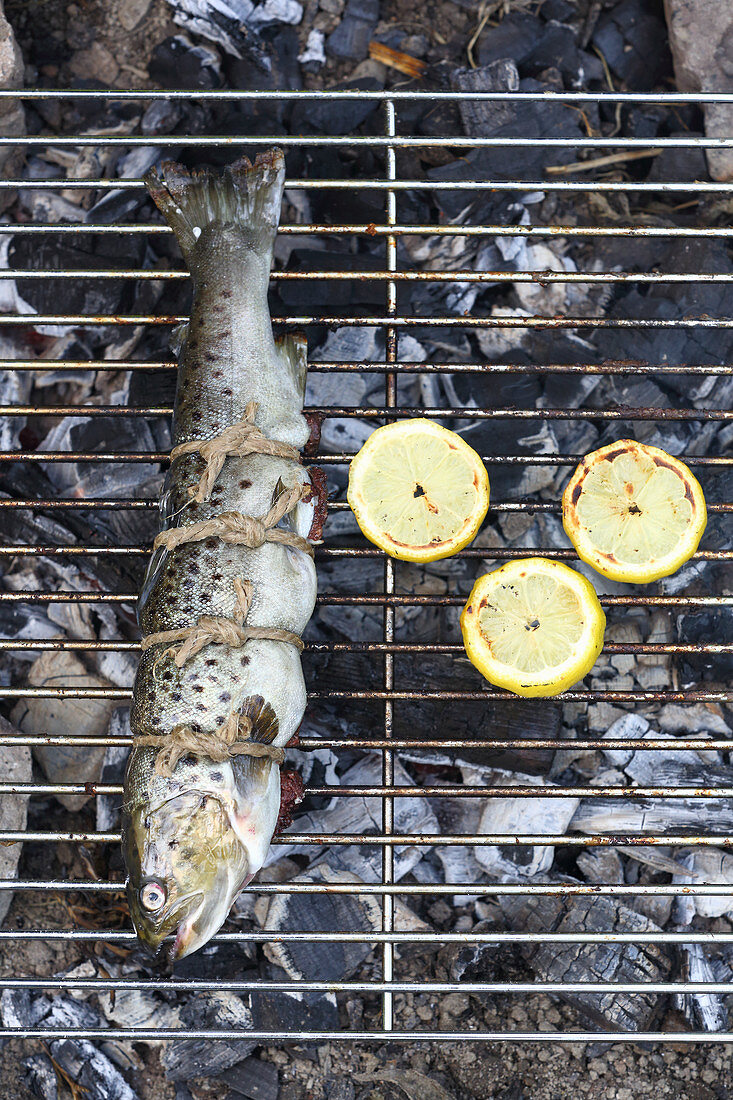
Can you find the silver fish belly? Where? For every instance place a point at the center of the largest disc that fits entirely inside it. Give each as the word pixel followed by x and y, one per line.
pixel 192 839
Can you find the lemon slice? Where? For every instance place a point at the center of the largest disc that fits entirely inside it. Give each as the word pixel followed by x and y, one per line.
pixel 633 512
pixel 418 491
pixel 534 627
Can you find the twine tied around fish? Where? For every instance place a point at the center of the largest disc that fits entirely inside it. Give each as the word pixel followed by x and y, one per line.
pixel 242 530
pixel 216 630
pixel 231 739
pixel 240 440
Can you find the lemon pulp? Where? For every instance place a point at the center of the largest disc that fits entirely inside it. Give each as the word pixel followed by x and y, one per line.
pixel 534 626
pixel 634 512
pixel 418 490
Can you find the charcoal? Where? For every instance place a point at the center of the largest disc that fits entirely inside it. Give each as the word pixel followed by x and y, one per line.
pixel 513 38
pixel 177 63
pixel 646 816
pixel 328 296
pixel 688 344
pixel 350 41
pixel 187 1058
pixel 108 806
pixel 100 433
pixel 633 41
pixel 41 1077
pixel 161 117
pixel 706 866
pixel 336 116
pixel 704 1010
pixel 559 10
pixel 254 1079
pixel 509 719
pixel 514 119
pixel 300 1012
pixel 602 865
pixel 15 767
pixel 607 962
pixel 59 763
pixel 558 49
pixel 83 295
pixel 680 165
pixel 20 1008
pixel 363 815
pixel 514 815
pixel 90 1069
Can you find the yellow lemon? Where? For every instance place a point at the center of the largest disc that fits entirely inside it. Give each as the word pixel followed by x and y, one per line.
pixel 418 491
pixel 633 512
pixel 534 626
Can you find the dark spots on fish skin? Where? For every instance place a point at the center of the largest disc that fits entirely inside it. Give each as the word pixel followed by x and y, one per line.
pixel 211 357
pixel 216 576
pixel 228 391
pixel 197 687
pixel 220 719
pixel 223 335
pixel 217 777
pixel 218 309
pixel 212 662
pixel 244 661
pixel 245 484
pixel 176 696
pixel 173 844
pixel 225 294
pixel 205 596
pixel 200 706
pixel 196 727
pixel 224 697
pixel 146 822
pixel 211 544
pixel 217 373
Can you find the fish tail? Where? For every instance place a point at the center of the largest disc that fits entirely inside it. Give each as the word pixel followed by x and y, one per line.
pixel 244 194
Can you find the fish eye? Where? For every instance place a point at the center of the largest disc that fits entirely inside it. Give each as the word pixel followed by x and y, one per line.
pixel 152 896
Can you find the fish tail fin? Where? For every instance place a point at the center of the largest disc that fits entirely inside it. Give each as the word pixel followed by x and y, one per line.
pixel 244 194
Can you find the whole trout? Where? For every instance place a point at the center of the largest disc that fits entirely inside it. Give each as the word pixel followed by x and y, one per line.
pixel 194 838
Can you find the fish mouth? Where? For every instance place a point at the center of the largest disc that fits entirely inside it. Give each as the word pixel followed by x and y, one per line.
pixel 154 937
pixel 187 939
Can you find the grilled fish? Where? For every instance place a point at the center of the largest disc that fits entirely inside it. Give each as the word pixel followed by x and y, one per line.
pixel 194 838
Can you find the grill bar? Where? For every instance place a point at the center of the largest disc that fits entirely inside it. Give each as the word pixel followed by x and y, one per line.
pixel 609 367
pixel 386 983
pixel 539 277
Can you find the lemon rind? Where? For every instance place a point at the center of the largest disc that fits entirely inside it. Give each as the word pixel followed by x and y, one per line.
pixel 425 553
pixel 633 574
pixel 566 675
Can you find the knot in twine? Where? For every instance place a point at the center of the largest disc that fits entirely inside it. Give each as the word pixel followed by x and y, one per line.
pixel 240 439
pixel 241 530
pixel 215 630
pixel 233 738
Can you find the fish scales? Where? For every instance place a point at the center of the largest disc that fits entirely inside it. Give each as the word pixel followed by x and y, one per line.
pixel 192 840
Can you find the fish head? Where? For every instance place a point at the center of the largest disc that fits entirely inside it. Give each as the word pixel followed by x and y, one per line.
pixel 185 862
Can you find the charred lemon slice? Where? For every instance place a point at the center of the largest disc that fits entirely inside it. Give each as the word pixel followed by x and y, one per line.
pixel 418 491
pixel 534 627
pixel 633 512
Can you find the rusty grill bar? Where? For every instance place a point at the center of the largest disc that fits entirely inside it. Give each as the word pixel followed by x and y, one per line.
pixel 391 185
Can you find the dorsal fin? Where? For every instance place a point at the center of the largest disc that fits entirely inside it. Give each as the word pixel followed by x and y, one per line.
pixel 265 726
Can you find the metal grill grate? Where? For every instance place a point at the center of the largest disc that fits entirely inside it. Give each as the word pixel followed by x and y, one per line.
pixel 389 600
